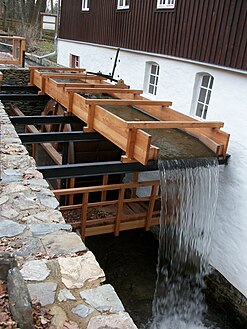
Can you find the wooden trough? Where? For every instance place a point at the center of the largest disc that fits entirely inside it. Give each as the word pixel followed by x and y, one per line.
pixel 65 85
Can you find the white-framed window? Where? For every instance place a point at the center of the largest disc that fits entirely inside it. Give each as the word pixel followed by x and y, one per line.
pixel 202 94
pixel 74 61
pixel 85 5
pixel 123 4
pixel 165 4
pixel 151 78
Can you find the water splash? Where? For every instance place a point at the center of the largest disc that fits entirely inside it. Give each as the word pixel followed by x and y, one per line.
pixel 189 197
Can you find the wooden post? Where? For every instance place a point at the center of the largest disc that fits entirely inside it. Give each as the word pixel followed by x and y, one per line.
pixel 71 99
pixel 119 214
pixel 43 83
pixel 135 180
pixel 71 185
pixel 31 83
pixel 131 143
pixel 151 207
pixel 103 193
pixel 90 118
pixel 22 48
pixel 84 214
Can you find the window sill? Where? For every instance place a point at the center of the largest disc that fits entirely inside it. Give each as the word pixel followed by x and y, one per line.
pixel 123 10
pixel 161 10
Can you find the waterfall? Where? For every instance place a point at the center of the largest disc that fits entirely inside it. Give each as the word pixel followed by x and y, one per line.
pixel 189 190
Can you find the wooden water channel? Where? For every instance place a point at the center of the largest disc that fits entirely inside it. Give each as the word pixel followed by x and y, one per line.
pixel 117 206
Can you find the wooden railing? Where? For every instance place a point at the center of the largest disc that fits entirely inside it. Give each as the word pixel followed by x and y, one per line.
pixel 123 211
pixel 18 45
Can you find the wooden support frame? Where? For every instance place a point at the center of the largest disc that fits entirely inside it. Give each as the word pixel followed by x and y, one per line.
pixel 51 151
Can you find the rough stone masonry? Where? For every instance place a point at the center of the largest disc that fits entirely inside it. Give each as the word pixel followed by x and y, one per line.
pixel 60 272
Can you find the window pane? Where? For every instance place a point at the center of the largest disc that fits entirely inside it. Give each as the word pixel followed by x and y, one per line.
pixel 205 112
pixel 208 97
pixel 199 110
pixel 151 89
pixel 202 95
pixel 211 82
pixel 153 69
pixel 152 79
pixel 205 80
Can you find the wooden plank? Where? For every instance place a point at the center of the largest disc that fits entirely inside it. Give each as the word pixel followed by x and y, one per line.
pixel 127 102
pixel 173 124
pixel 123 227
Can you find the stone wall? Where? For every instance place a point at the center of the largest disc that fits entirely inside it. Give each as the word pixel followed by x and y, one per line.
pixel 15 76
pixel 20 77
pixel 230 303
pixel 60 272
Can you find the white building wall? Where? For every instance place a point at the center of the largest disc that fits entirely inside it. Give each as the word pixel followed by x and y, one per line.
pixel 228 103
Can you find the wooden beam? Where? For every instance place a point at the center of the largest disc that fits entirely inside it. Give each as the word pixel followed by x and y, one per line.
pixel 71 76
pixel 100 188
pixel 77 86
pixel 90 231
pixel 54 68
pixel 127 102
pixel 108 89
pixel 174 124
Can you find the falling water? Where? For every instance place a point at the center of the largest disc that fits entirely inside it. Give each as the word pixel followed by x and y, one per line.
pixel 189 197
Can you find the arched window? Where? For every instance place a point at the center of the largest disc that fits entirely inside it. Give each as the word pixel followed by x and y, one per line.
pixel 151 78
pixel 202 94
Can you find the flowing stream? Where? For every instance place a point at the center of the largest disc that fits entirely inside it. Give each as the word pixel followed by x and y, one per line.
pixel 189 196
